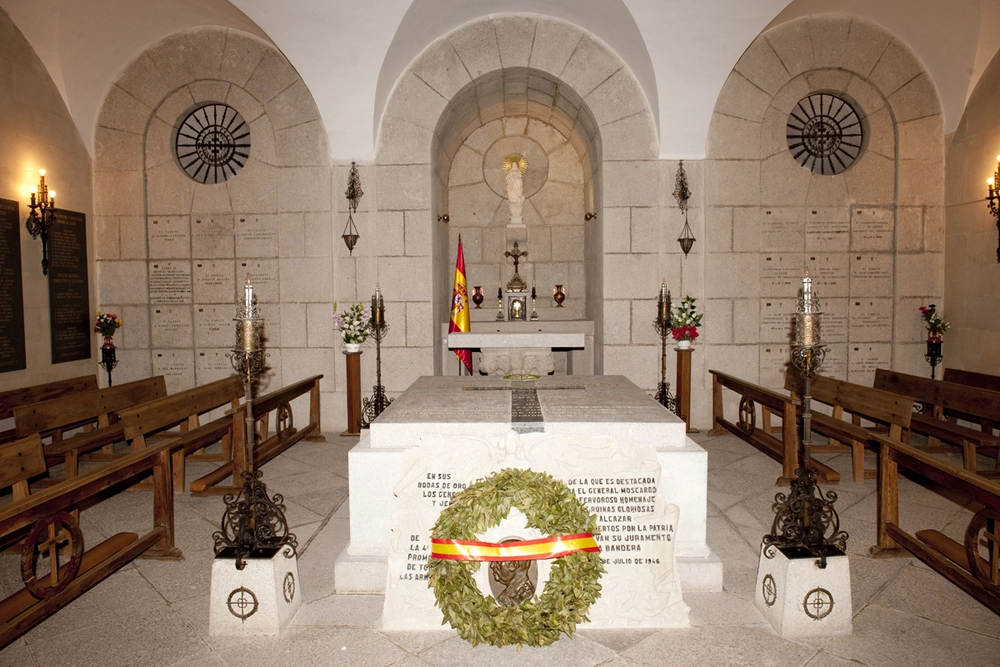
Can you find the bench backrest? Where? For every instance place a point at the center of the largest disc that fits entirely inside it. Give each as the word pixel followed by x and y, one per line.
pixel 972 379
pixel 85 407
pixel 177 409
pixel 874 404
pixel 21 460
pixel 43 392
pixel 949 396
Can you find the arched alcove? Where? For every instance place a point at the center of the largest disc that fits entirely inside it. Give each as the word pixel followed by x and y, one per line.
pixel 570 82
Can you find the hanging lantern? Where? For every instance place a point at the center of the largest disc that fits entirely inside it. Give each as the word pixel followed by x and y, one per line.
pixel 353 194
pixel 682 193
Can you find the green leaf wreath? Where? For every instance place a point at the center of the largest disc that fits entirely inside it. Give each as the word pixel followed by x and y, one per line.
pixel 573 584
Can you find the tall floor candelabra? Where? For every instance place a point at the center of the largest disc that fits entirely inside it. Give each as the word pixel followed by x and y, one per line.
pixel 662 326
pixel 253 521
pixel 377 329
pixel 806 518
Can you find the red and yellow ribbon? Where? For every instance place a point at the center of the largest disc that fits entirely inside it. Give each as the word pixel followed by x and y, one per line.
pixel 543 548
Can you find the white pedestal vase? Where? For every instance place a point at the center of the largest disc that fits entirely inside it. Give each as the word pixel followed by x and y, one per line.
pixel 260 599
pixel 799 599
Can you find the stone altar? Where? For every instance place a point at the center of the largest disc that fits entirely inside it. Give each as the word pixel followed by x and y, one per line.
pixel 578 406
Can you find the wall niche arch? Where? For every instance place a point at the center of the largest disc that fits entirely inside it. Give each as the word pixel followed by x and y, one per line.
pixel 498 81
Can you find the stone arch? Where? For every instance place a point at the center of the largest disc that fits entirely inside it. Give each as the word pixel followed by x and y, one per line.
pixel 412 147
pixel 152 218
pixel 764 207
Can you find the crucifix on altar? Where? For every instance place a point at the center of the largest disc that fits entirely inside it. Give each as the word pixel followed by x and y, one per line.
pixel 516 295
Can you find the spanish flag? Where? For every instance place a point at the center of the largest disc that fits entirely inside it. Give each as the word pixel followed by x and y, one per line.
pixel 460 306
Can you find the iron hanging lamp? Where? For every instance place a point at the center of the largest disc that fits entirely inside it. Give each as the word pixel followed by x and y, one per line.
pixel 353 194
pixel 682 193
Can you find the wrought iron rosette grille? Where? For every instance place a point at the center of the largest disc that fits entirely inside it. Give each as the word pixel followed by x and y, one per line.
pixel 254 521
pixel 806 518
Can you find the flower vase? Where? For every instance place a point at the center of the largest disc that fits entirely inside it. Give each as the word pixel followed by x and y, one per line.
pixel 684 344
pixel 352 347
pixel 109 342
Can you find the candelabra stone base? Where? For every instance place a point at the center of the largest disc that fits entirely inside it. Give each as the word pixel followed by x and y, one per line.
pixel 260 599
pixel 800 599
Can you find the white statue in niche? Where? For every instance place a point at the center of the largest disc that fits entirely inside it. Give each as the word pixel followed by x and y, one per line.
pixel 514 166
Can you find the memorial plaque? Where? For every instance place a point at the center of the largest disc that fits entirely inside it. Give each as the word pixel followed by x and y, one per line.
pixel 871 275
pixel 774 361
pixel 835 320
pixel 777 320
pixel 169 282
pixel 169 237
pixel 781 275
pixel 12 356
pixel 782 229
pixel 831 274
pixel 171 326
pixel 828 229
pixel 863 360
pixel 212 237
pixel 212 365
pixel 264 276
pixel 872 229
pixel 214 326
pixel 835 362
pixel 871 320
pixel 618 481
pixel 70 317
pixel 214 282
pixel 176 367
pixel 257 236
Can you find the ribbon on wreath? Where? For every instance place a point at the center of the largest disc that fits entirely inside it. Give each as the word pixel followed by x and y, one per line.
pixel 540 549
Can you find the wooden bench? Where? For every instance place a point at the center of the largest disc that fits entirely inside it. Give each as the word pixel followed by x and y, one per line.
pixel 97 412
pixel 153 421
pixel 980 381
pixel 41 392
pixel 47 523
pixel 940 399
pixel 973 565
pixel 267 445
pixel 786 449
pixel 884 409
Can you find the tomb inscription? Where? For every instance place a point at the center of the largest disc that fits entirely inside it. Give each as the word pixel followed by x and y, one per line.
pixel 169 282
pixel 12 354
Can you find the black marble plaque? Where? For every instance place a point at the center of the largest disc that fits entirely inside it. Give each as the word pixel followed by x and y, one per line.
pixel 12 356
pixel 69 292
pixel 524 406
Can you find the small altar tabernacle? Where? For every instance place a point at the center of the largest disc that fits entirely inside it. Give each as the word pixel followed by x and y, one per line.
pixel 517 290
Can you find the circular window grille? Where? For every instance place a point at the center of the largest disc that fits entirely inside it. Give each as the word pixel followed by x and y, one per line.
pixel 213 143
pixel 824 133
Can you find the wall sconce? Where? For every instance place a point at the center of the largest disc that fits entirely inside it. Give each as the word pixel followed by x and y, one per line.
pixel 353 194
pixel 994 201
pixel 682 193
pixel 444 218
pixel 589 216
pixel 43 209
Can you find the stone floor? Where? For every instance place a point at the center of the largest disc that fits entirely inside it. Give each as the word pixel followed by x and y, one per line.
pixel 156 613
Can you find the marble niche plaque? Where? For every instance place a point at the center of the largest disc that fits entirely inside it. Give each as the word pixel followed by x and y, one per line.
pixel 872 229
pixel 774 361
pixel 871 320
pixel 169 237
pixel 212 365
pixel 864 358
pixel 828 229
pixel 781 229
pixel 257 235
pixel 264 276
pixel 212 237
pixel 781 275
pixel 214 326
pixel 616 480
pixel 831 274
pixel 777 320
pixel 170 326
pixel 213 282
pixel 835 362
pixel 871 275
pixel 169 282
pixel 835 321
pixel 176 367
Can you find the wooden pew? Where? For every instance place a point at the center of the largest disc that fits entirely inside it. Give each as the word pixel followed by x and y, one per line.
pixel 885 409
pixel 940 399
pixel 981 381
pixel 41 392
pixel 48 525
pixel 98 408
pixel 154 420
pixel 972 566
pixel 786 449
pixel 267 445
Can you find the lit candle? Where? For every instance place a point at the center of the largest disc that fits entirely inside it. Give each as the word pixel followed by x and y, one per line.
pixel 33 189
pixel 989 182
pixel 248 295
pixel 52 199
pixel 663 291
pixel 807 296
pixel 378 293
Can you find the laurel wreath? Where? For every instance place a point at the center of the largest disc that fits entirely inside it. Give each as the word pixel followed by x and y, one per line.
pixel 573 584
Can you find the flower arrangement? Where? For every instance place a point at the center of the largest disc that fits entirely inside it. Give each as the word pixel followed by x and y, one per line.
pixel 107 324
pixel 685 320
pixel 352 323
pixel 933 320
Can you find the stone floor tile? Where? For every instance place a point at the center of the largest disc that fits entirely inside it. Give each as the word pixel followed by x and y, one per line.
pixel 886 637
pixel 417 642
pixel 869 577
pixel 341 611
pixel 577 651
pixel 823 659
pixel 719 645
pixel 177 581
pixel 740 581
pixel 208 659
pixel 315 646
pixel 16 655
pixel 722 609
pixel 617 640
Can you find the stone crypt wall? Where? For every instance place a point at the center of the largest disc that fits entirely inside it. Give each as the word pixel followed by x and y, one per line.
pixel 872 236
pixel 172 253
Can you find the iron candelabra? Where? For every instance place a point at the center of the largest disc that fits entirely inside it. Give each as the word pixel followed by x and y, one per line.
pixel 377 329
pixel 42 216
pixel 662 325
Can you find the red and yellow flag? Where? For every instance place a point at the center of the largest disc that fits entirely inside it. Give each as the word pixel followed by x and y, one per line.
pixel 460 306
pixel 543 548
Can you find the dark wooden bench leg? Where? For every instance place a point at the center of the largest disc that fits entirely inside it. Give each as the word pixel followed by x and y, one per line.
pixel 716 408
pixel 163 510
